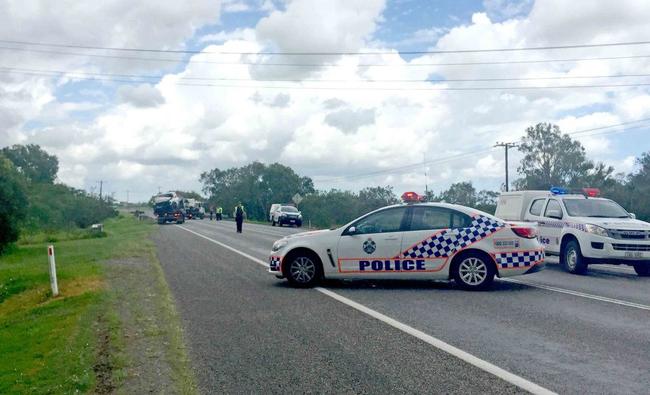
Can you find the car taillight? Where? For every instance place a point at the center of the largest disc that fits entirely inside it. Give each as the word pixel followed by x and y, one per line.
pixel 526 233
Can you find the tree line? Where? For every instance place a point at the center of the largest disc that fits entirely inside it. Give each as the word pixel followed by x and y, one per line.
pixel 31 200
pixel 551 158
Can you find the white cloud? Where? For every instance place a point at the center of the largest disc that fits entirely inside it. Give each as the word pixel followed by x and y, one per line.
pixel 222 36
pixel 168 133
pixel 143 95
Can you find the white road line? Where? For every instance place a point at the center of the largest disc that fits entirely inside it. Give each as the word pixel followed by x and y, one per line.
pixel 579 294
pixel 435 342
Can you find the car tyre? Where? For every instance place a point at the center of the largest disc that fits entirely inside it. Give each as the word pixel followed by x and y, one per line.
pixel 473 271
pixel 572 259
pixel 642 270
pixel 303 270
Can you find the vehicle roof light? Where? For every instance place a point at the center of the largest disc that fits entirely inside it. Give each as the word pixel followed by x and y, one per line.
pixel 591 192
pixel 410 197
pixel 559 191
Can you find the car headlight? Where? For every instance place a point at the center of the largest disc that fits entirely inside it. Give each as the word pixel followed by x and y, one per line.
pixel 300 216
pixel 597 230
pixel 280 244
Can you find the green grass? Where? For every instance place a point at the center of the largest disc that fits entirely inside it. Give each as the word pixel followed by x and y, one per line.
pixel 50 345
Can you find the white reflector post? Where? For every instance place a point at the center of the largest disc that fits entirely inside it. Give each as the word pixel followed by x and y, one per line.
pixel 53 282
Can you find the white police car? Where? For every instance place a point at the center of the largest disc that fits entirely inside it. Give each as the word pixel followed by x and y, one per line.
pixel 582 228
pixel 412 241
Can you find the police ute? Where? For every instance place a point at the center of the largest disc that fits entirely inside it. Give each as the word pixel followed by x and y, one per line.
pixel 414 240
pixel 582 228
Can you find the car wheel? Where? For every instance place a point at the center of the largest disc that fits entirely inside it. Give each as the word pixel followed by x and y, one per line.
pixel 473 271
pixel 303 270
pixel 572 258
pixel 642 269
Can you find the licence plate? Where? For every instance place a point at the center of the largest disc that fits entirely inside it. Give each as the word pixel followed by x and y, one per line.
pixel 292 220
pixel 634 254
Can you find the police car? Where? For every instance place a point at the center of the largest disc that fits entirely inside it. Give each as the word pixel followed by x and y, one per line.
pixel 581 227
pixel 414 240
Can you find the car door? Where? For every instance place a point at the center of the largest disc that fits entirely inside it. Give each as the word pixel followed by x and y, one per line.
pixel 553 222
pixel 369 244
pixel 425 238
pixel 535 213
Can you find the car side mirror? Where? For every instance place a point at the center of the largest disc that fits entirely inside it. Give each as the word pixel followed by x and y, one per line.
pixel 351 230
pixel 632 215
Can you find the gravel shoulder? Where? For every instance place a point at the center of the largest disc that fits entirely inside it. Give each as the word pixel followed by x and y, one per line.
pixel 150 353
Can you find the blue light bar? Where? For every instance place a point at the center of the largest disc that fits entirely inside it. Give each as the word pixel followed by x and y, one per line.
pixel 559 191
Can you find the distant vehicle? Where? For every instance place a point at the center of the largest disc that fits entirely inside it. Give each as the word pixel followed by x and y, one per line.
pixel 274 207
pixel 288 215
pixel 414 240
pixel 194 209
pixel 582 228
pixel 169 207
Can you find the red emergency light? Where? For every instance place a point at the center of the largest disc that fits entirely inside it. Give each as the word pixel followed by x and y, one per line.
pixel 591 192
pixel 410 197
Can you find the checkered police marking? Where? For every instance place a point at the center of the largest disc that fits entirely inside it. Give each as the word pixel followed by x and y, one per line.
pixel 445 243
pixel 518 259
pixel 274 263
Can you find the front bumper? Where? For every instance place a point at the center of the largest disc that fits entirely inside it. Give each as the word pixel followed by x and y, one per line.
pixel 275 265
pixel 608 250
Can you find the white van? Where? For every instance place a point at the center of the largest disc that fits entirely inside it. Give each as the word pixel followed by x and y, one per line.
pixel 274 207
pixel 582 229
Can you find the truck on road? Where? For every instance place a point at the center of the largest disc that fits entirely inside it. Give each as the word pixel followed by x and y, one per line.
pixel 169 207
pixel 581 228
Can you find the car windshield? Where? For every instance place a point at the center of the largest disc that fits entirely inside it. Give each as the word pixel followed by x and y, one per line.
pixel 289 209
pixel 595 208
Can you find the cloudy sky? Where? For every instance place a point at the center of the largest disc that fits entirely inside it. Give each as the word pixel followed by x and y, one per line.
pixel 352 93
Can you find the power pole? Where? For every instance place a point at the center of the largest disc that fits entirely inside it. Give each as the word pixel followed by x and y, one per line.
pixel 506 146
pixel 101 185
pixel 426 181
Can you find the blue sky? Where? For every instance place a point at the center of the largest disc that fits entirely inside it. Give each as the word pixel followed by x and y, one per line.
pixel 130 134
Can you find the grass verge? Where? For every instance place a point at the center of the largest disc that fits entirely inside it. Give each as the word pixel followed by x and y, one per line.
pixel 77 342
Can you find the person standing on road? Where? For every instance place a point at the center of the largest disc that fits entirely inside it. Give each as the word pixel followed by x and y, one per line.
pixel 219 213
pixel 211 212
pixel 239 216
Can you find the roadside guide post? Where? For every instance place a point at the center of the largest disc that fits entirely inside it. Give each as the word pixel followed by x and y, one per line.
pixel 53 282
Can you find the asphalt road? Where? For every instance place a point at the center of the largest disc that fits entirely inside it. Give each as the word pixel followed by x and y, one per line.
pixel 249 332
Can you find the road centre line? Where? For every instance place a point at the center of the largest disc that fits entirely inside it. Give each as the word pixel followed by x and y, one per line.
pixel 435 342
pixel 579 294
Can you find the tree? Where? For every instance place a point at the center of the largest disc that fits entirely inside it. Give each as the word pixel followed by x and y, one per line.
pixel 12 202
pixel 551 159
pixel 33 162
pixel 638 188
pixel 462 193
pixel 487 201
pixel 256 185
pixel 372 198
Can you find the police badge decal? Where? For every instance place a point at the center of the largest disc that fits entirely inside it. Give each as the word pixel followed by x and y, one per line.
pixel 369 246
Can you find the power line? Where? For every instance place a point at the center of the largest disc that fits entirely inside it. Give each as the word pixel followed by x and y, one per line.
pixel 463 155
pixel 297 53
pixel 405 167
pixel 157 77
pixel 274 64
pixel 342 88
